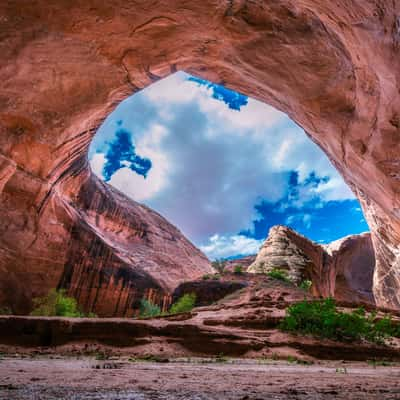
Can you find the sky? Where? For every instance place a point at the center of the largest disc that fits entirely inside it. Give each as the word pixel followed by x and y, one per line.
pixel 222 167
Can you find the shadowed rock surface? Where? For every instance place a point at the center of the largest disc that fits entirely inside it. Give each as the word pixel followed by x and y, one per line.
pixel 342 269
pixel 333 67
pixel 207 291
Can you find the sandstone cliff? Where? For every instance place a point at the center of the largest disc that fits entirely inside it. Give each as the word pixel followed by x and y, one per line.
pixel 343 269
pixel 333 67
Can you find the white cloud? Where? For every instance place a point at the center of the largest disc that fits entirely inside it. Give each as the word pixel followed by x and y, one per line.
pixel 224 246
pixel 212 164
pixel 97 163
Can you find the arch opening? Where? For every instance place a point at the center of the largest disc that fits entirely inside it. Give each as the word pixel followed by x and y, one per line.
pixel 225 168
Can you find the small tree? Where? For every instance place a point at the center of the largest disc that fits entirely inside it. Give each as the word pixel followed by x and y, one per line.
pixel 238 270
pixel 219 265
pixel 184 304
pixel 149 309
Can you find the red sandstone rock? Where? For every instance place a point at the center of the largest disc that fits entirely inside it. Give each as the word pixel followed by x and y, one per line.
pixel 343 269
pixel 331 66
pixel 243 262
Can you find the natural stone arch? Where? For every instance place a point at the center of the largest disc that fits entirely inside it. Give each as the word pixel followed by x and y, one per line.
pixel 331 66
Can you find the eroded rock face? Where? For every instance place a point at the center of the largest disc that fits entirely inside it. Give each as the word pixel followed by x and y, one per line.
pixel 208 291
pixel 331 66
pixel 343 269
pixel 286 249
pixel 353 260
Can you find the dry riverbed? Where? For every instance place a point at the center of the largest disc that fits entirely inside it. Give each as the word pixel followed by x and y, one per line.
pixel 84 378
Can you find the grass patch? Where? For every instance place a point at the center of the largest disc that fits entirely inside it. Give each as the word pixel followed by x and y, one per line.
pixel 320 318
pixel 149 358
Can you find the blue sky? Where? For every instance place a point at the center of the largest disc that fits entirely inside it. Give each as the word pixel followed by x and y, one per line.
pixel 222 167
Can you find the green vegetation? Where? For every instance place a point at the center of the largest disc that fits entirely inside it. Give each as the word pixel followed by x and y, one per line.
pixel 216 277
pixel 321 318
pixel 295 360
pixel 220 358
pixel 5 311
pixel 206 277
pixel 305 285
pixel 238 270
pixel 149 309
pixel 219 265
pixel 380 363
pixel 279 274
pixel 57 304
pixel 184 304
pixel 149 358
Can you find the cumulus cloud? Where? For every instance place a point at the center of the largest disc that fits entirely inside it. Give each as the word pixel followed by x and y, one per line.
pixel 220 246
pixel 213 158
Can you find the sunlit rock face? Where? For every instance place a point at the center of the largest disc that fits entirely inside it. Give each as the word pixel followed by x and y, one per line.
pixel 342 269
pixel 287 250
pixel 333 67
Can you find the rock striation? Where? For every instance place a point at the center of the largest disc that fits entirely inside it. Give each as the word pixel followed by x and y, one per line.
pixel 286 249
pixel 343 269
pixel 333 67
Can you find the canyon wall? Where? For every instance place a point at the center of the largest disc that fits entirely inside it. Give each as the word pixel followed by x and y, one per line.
pixel 333 67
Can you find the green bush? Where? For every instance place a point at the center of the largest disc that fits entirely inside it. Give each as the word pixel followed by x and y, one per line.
pixel 206 277
pixel 279 274
pixel 216 277
pixel 219 265
pixel 149 309
pixel 238 270
pixel 184 304
pixel 321 318
pixel 57 304
pixel 305 285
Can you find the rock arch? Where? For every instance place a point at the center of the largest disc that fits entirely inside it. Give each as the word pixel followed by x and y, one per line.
pixel 333 67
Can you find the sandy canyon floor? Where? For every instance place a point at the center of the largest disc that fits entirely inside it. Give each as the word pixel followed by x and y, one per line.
pixel 87 378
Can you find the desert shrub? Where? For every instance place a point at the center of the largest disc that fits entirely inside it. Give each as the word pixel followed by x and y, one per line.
pixel 321 318
pixel 184 304
pixel 219 265
pixel 305 285
pixel 279 274
pixel 216 277
pixel 206 277
pixel 238 270
pixel 149 309
pixel 56 304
